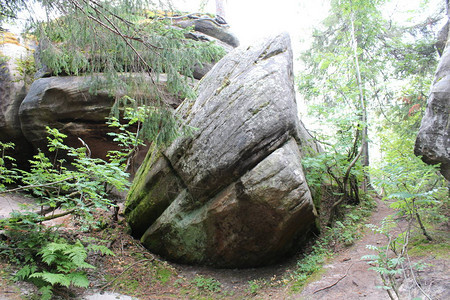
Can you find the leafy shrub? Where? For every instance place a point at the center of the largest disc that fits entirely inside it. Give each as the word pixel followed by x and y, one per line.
pixel 8 174
pixel 77 187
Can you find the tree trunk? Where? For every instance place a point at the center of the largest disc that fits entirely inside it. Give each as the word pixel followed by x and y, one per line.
pixel 365 154
pixel 364 140
pixel 220 8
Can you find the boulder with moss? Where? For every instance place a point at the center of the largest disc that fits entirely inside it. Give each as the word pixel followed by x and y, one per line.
pixel 232 194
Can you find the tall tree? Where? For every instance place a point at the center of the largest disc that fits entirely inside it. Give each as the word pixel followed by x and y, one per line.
pixel 348 68
pixel 342 72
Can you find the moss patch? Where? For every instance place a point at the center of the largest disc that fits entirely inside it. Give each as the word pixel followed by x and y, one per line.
pixel 438 248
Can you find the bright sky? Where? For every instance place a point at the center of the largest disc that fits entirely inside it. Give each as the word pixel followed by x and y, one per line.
pixel 254 19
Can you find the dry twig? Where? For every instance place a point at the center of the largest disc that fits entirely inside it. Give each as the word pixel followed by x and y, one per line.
pixel 337 281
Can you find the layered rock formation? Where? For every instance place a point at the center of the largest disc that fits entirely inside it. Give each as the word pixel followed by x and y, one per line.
pixel 13 90
pixel 433 139
pixel 65 103
pixel 212 29
pixel 234 193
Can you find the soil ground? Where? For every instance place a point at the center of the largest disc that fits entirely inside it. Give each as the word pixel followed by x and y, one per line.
pixel 134 273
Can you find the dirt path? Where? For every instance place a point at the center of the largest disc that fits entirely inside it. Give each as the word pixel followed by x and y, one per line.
pixel 346 276
pixel 354 280
pixel 10 202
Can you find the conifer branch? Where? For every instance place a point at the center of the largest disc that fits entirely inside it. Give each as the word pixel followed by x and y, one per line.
pixel 114 29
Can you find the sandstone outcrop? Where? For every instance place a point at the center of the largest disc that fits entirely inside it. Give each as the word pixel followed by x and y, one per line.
pixel 433 139
pixel 234 193
pixel 212 29
pixel 65 103
pixel 13 90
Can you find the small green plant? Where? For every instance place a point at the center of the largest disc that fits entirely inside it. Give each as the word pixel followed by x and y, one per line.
pixel 387 261
pixel 254 286
pixel 413 189
pixel 77 187
pixel 48 260
pixel 309 264
pixel 207 283
pixel 26 69
pixel 64 266
pixel 392 259
pixel 8 174
pixel 163 274
pixel 337 168
pixel 129 141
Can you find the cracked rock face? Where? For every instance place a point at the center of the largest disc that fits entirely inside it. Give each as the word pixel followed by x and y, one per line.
pixel 433 139
pixel 12 92
pixel 234 193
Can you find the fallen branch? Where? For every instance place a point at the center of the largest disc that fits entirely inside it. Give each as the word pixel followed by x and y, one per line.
pixel 415 280
pixel 327 287
pixel 35 186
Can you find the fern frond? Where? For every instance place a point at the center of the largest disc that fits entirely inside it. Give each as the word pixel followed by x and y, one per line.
pixel 78 279
pixel 52 278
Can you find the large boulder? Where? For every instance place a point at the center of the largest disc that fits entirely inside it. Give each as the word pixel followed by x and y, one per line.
pixel 233 194
pixel 13 89
pixel 433 139
pixel 65 103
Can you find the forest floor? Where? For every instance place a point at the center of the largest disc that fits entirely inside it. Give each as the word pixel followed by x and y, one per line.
pixel 135 273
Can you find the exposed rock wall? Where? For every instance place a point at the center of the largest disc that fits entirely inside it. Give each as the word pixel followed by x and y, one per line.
pixel 12 92
pixel 433 139
pixel 65 103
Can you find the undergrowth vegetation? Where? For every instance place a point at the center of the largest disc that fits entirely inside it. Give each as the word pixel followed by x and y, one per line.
pixel 67 179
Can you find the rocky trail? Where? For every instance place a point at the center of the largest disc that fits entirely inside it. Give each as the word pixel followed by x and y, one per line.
pixel 345 276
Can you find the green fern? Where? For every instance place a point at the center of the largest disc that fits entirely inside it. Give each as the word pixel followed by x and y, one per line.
pixel 65 264
pixel 52 278
pixel 100 248
pixel 25 272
